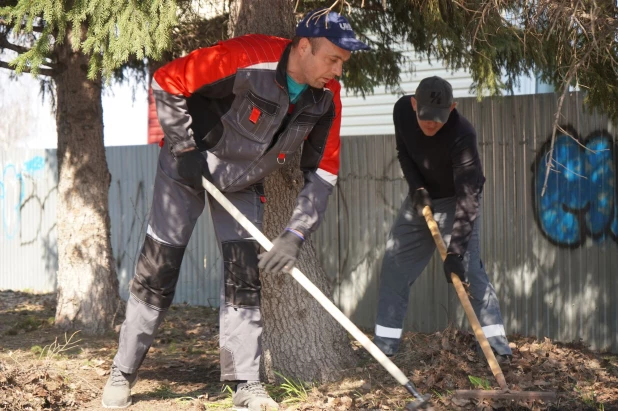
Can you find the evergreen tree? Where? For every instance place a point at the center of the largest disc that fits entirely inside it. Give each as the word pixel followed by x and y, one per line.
pixel 76 44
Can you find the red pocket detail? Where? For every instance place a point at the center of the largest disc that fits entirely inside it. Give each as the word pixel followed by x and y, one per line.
pixel 161 142
pixel 263 199
pixel 255 115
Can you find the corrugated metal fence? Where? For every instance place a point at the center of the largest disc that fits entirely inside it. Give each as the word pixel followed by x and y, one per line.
pixel 28 246
pixel 553 260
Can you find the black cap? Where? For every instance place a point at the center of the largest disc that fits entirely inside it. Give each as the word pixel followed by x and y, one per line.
pixel 333 26
pixel 434 97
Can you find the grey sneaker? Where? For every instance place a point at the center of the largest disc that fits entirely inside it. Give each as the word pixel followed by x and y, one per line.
pixel 253 396
pixel 117 391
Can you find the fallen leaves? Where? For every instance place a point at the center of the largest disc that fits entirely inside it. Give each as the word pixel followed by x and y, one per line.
pixel 186 353
pixel 33 388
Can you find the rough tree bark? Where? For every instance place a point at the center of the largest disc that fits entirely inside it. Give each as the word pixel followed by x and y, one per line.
pixel 87 282
pixel 301 340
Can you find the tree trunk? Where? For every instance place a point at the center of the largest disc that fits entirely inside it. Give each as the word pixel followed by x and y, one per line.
pixel 272 17
pixel 87 282
pixel 301 340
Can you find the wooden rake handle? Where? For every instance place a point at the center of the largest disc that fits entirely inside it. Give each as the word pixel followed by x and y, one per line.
pixel 465 302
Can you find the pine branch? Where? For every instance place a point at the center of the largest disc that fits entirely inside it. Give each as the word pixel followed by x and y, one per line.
pixel 36 29
pixel 42 71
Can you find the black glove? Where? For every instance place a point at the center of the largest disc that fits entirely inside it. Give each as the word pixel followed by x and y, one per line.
pixel 420 199
pixel 453 263
pixel 192 166
pixel 284 253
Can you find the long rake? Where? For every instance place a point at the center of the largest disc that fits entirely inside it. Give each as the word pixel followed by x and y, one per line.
pixel 504 393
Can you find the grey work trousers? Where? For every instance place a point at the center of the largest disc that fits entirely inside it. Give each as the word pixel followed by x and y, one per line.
pixel 174 213
pixel 408 251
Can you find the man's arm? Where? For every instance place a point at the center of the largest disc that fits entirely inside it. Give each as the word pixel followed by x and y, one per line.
pixel 469 180
pixel 410 172
pixel 174 119
pixel 202 70
pixel 320 165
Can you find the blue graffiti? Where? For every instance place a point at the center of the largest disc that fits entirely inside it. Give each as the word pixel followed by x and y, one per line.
pixel 580 199
pixel 13 191
pixel 36 164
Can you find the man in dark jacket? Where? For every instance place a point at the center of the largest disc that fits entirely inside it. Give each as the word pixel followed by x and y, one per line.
pixel 233 113
pixel 437 150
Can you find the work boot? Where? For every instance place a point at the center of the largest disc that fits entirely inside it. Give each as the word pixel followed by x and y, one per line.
pixel 389 346
pixel 117 391
pixel 253 396
pixel 504 359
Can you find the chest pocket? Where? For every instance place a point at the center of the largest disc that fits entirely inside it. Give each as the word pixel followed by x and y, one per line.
pixel 256 115
pixel 302 125
pixel 305 122
pixel 297 131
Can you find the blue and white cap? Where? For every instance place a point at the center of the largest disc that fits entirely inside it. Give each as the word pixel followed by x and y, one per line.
pixel 333 26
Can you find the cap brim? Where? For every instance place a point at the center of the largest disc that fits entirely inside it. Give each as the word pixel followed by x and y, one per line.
pixel 434 113
pixel 348 43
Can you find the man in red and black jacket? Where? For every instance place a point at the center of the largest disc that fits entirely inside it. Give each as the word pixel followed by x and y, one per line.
pixel 233 113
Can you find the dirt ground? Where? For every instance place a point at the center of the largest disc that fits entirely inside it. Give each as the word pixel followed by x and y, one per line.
pixel 42 368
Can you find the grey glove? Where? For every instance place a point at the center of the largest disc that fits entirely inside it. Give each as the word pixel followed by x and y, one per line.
pixel 283 254
pixel 192 166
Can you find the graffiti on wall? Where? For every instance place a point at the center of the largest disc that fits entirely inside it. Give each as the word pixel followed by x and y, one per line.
pixel 16 192
pixel 580 201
